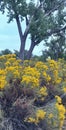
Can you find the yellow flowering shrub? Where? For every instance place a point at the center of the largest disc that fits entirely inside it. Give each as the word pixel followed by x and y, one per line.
pixel 2 58
pixel 60 112
pixel 46 77
pixel 56 115
pixel 31 72
pixel 51 120
pixel 64 89
pixel 31 119
pixel 43 69
pixel 51 115
pixel 37 76
pixel 41 66
pixel 58 99
pixel 39 115
pixel 30 81
pixel 3 82
pixel 53 71
pixel 2 72
pixel 43 91
pixel 30 77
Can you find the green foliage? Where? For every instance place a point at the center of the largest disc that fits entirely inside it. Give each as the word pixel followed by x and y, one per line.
pixel 56 48
pixel 57 43
pixel 5 52
pixel 31 8
pixel 38 26
pixel 42 18
pixel 14 7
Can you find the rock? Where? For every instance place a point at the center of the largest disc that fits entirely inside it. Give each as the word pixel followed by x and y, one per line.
pixel 64 99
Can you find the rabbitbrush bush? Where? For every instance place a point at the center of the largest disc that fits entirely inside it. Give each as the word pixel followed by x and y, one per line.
pixel 44 78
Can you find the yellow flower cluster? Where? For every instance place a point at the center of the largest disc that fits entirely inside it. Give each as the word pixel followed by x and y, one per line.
pixel 61 111
pixel 64 89
pixel 50 72
pixel 58 99
pixel 9 70
pixel 54 71
pixel 43 91
pixel 35 75
pixel 29 81
pixel 40 115
pixel 53 64
pixel 51 116
pixel 31 72
pixel 43 69
pixel 30 119
pixel 3 82
pixel 41 66
pixel 30 77
pixel 46 77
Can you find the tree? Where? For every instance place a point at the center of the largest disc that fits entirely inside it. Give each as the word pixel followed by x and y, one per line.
pixel 56 49
pixel 38 20
pixel 25 54
pixel 57 44
pixel 5 52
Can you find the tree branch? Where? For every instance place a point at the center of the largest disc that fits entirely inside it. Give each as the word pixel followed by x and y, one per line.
pixel 55 8
pixel 27 26
pixel 26 31
pixel 49 33
pixel 27 20
pixel 19 26
pixel 50 11
pixel 55 31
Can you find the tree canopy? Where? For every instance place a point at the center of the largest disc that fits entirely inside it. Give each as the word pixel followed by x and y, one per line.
pixel 40 20
pixel 57 44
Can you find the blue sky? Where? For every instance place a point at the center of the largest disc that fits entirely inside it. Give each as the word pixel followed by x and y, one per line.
pixel 9 37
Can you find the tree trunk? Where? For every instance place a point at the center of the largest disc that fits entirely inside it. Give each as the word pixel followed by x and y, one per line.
pixel 22 38
pixel 22 48
pixel 29 54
